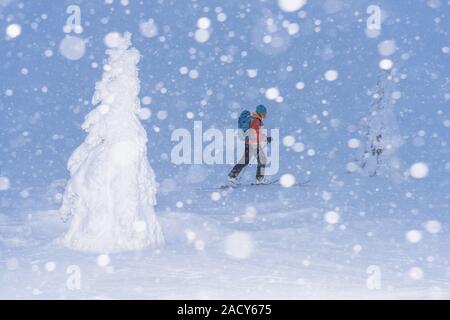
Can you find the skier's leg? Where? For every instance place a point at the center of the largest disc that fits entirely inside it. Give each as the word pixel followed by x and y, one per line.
pixel 261 157
pixel 245 160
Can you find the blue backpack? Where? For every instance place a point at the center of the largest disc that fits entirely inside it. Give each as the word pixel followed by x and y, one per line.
pixel 244 120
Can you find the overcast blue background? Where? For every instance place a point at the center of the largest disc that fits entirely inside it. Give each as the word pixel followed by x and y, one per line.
pixel 420 28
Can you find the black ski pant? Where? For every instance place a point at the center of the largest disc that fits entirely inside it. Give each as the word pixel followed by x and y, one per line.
pixel 251 151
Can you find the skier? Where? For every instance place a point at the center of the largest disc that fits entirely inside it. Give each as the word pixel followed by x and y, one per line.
pixel 251 125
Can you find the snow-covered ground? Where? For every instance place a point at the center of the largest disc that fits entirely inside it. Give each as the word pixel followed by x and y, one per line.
pixel 254 242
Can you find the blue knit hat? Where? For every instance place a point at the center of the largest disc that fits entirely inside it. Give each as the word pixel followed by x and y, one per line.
pixel 261 109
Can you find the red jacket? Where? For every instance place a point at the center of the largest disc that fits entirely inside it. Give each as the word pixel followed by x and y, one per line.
pixel 256 135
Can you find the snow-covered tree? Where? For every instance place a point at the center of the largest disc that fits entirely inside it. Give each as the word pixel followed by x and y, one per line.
pixel 110 196
pixel 381 134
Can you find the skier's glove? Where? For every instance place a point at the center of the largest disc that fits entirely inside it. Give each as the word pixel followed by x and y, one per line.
pixel 269 139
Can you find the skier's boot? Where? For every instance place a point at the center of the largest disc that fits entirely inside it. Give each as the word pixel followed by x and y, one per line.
pixel 234 182
pixel 262 180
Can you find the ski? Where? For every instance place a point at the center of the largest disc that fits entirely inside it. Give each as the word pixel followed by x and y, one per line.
pixel 265 184
pixel 275 182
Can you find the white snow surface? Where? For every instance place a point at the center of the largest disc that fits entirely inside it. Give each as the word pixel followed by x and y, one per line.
pixel 290 251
